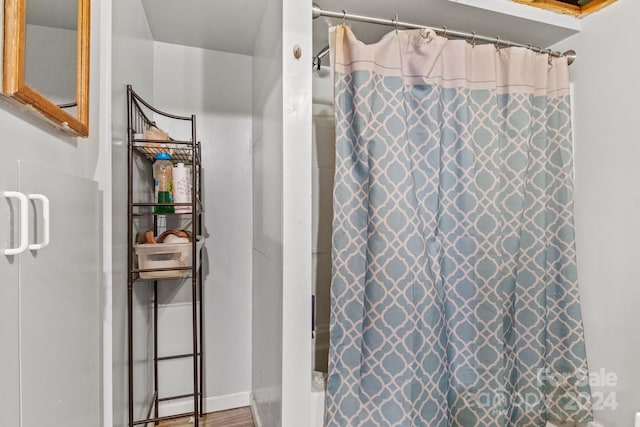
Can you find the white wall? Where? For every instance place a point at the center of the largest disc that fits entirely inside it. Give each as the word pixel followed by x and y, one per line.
pixel 132 63
pixel 216 87
pixel 296 213
pixel 266 371
pixel 281 382
pixel 607 202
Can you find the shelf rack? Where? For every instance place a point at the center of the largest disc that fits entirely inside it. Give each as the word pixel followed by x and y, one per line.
pixel 139 120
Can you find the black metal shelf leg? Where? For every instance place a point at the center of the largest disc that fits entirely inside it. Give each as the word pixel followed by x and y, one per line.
pixel 155 350
pixel 194 308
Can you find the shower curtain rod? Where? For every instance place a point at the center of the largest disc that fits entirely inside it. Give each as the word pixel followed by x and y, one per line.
pixel 444 31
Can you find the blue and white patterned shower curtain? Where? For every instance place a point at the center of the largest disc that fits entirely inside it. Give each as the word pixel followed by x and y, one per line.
pixel 454 292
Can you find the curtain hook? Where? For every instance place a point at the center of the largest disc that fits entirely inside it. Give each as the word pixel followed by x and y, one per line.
pixel 549 57
pixel 473 39
pixel 425 34
pixel 444 31
pixel 395 20
pixel 344 16
pixel 497 43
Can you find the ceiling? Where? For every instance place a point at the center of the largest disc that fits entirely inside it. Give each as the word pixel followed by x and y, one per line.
pixel 232 26
pixel 223 25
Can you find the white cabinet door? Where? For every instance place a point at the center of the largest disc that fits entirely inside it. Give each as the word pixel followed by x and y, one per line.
pixel 9 329
pixel 59 304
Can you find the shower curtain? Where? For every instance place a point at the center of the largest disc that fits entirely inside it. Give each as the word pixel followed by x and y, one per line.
pixel 454 292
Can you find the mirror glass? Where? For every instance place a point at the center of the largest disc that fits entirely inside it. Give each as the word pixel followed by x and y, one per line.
pixel 51 51
pixel 46 60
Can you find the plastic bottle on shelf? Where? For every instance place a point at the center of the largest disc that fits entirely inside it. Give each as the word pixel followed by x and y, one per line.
pixel 163 181
pixel 181 188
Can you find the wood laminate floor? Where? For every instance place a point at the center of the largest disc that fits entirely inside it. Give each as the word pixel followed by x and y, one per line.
pixel 240 417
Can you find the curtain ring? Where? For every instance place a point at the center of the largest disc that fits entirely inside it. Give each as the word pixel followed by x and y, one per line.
pixel 444 31
pixel 473 39
pixel 395 20
pixel 425 34
pixel 549 57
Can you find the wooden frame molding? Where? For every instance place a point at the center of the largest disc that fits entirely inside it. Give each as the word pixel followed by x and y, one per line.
pixel 568 9
pixel 13 85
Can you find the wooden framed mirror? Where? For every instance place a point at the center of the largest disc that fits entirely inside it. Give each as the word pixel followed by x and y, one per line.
pixel 46 60
pixel 579 8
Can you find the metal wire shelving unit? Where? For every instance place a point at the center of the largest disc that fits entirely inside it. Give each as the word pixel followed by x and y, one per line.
pixel 140 118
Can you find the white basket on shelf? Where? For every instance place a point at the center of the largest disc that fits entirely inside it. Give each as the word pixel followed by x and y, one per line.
pixel 167 255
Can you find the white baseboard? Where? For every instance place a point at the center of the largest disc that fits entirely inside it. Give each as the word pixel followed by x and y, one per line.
pixel 254 411
pixel 211 404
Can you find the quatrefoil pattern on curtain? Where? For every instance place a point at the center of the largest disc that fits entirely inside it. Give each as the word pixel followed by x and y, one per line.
pixel 454 294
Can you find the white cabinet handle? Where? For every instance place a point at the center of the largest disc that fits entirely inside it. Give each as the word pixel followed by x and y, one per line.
pixel 45 219
pixel 24 222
